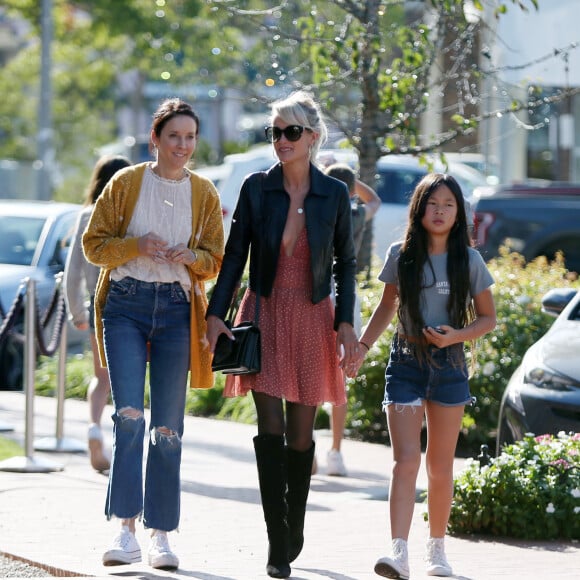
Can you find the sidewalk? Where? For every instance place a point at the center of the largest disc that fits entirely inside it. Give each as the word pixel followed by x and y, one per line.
pixel 56 519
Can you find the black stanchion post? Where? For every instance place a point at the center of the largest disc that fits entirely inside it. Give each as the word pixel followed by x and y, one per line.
pixel 59 442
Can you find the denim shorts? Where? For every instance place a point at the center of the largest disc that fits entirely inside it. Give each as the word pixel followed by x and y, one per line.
pixel 443 380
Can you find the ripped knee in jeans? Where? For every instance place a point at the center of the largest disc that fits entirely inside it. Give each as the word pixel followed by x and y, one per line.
pixel 159 434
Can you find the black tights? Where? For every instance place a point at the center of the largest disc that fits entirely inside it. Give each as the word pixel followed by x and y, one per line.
pixel 297 426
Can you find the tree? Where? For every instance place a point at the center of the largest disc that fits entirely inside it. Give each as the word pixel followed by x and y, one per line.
pixel 96 42
pixel 379 65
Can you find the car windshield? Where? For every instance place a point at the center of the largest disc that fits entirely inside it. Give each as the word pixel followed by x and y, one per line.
pixel 18 239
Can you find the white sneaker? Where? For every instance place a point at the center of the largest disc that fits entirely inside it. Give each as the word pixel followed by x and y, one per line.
pixel 437 564
pixel 125 549
pixel 335 463
pixel 160 554
pixel 398 565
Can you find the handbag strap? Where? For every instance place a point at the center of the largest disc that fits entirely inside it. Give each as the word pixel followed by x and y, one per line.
pixel 257 186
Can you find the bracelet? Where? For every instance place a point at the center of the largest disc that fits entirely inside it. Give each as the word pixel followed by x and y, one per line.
pixel 365 345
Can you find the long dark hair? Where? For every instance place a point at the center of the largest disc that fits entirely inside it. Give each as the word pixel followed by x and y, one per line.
pixel 104 169
pixel 415 255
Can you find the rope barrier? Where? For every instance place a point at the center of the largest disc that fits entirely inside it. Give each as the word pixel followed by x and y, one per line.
pixel 34 343
pixel 28 463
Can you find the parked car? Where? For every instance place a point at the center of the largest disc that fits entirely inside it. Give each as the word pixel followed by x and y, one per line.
pixel 33 241
pixel 536 218
pixel 397 176
pixel 543 394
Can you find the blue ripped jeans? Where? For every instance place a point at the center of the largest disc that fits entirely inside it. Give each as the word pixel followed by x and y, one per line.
pixel 137 313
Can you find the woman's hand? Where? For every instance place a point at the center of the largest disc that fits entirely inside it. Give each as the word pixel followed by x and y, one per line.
pixel 215 327
pixel 181 254
pixel 346 345
pixel 154 247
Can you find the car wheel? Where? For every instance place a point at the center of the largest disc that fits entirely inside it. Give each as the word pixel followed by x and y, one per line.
pixel 504 435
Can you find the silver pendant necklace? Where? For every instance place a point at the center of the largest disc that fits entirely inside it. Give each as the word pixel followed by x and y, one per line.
pixel 300 210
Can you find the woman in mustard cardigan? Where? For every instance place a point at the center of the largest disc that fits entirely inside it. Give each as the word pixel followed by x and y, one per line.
pixel 156 233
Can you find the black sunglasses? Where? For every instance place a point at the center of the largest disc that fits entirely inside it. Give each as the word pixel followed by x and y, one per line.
pixel 292 133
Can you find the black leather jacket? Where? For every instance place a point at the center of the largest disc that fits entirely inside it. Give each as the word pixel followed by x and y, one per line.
pixel 258 224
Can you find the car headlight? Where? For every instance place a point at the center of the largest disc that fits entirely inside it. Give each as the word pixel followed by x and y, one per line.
pixel 545 378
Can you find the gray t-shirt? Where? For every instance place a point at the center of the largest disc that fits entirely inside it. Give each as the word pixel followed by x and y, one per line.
pixel 435 293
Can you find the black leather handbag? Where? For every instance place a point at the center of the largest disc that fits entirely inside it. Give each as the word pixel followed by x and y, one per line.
pixel 242 356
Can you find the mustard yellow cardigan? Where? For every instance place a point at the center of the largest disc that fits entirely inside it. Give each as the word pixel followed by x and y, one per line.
pixel 105 245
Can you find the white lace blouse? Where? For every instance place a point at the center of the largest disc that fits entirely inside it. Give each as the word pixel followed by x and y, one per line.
pixel 163 208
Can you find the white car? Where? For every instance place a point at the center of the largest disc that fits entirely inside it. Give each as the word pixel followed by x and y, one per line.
pixel 33 244
pixel 543 394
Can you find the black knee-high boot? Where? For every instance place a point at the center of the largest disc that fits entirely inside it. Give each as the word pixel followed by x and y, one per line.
pixel 271 460
pixel 299 472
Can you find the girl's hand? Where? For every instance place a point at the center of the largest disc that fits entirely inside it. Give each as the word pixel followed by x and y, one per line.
pixel 215 327
pixel 439 336
pixel 181 254
pixel 352 370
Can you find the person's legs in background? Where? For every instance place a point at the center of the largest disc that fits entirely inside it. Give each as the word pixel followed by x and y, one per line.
pixel 334 460
pixel 97 397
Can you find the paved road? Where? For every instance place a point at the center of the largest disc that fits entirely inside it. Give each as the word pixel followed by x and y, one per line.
pixel 57 519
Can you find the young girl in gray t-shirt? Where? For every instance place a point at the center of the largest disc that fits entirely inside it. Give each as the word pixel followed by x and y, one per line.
pixel 439 288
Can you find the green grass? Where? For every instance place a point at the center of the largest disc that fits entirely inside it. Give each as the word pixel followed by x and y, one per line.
pixel 9 448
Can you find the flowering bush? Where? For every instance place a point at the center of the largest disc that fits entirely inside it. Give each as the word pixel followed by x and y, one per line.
pixel 531 491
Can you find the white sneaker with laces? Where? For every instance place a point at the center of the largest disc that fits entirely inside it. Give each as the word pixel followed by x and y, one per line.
pixel 125 549
pixel 437 564
pixel 335 463
pixel 160 554
pixel 396 566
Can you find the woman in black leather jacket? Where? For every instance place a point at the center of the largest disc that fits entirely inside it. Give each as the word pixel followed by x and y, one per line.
pixel 295 222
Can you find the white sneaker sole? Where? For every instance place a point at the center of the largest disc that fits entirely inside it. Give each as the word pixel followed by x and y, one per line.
pixel 120 558
pixel 439 571
pixel 386 570
pixel 164 562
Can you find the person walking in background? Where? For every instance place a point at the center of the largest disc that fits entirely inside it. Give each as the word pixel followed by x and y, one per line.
pixel 80 279
pixel 295 223
pixel 157 234
pixel 364 205
pixel 439 287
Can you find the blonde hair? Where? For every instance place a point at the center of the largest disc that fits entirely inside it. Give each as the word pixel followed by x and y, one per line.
pixel 300 108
